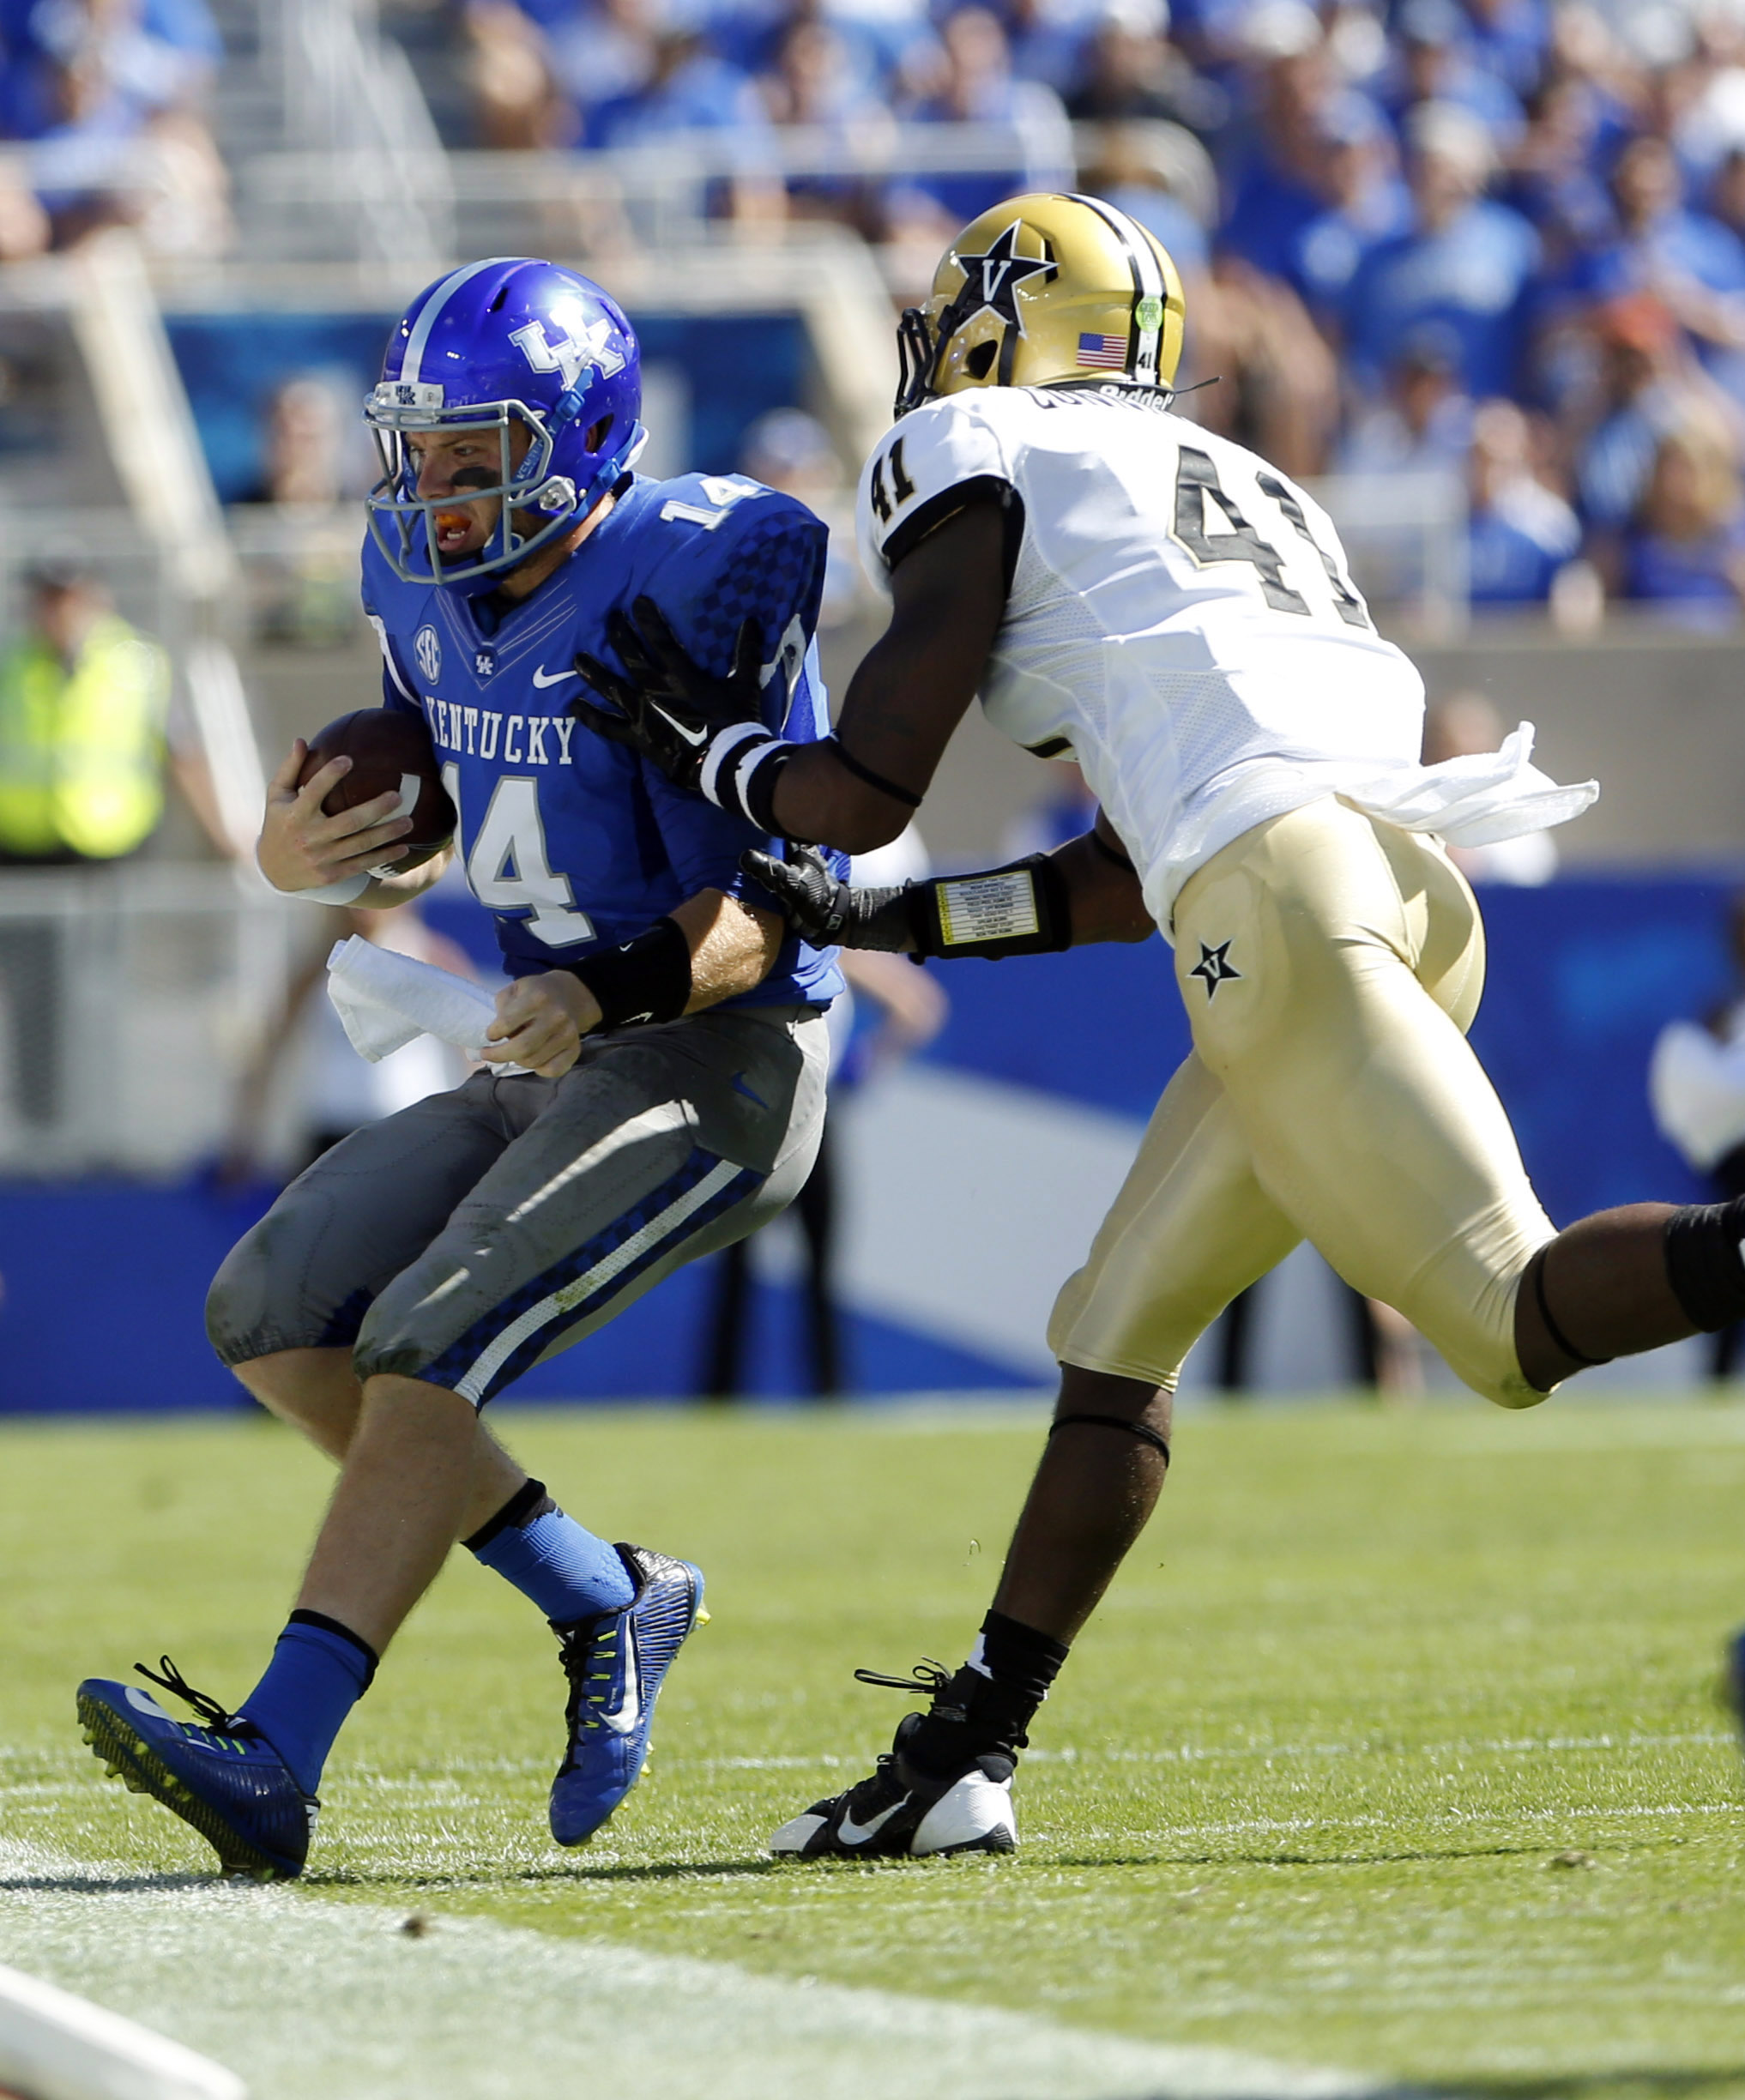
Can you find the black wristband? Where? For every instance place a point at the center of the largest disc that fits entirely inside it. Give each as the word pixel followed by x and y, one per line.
pixel 1019 909
pixel 647 980
pixel 760 795
pixel 738 768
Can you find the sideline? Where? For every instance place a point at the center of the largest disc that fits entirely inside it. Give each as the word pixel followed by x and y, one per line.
pixel 317 2000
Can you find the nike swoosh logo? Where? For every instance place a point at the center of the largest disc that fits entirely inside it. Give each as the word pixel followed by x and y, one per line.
pixel 629 1710
pixel 557 678
pixel 692 736
pixel 852 1832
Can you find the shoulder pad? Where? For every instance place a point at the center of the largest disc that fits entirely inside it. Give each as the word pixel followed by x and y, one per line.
pixel 720 503
pixel 376 571
pixel 730 549
pixel 382 591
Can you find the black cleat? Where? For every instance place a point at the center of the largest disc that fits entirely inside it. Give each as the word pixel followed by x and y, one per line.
pixel 906 1810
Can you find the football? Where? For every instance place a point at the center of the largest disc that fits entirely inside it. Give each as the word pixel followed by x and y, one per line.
pixel 388 750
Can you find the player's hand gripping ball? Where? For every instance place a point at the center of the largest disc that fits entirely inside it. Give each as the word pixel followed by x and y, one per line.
pixel 389 752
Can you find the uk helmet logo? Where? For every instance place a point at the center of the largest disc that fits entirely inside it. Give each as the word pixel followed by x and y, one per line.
pixel 429 653
pixel 589 344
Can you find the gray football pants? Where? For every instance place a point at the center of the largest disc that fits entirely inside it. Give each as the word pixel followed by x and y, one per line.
pixel 479 1232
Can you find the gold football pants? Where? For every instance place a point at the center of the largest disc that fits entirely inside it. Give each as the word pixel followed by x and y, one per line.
pixel 1331 965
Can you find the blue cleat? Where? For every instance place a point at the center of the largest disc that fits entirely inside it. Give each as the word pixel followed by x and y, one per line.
pixel 220 1774
pixel 615 1664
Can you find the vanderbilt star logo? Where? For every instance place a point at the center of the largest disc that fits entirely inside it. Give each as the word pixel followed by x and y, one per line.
pixel 1000 271
pixel 1214 968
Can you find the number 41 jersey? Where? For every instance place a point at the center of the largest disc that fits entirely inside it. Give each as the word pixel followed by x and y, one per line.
pixel 1180 617
pixel 575 843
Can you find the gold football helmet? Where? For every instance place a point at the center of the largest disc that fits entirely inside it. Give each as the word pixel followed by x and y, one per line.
pixel 1039 289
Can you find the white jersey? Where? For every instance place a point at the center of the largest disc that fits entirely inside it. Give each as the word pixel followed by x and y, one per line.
pixel 1180 620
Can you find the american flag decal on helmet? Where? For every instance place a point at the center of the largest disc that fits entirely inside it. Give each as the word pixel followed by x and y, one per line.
pixel 1103 352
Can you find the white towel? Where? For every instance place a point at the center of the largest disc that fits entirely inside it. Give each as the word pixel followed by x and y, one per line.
pixel 385 999
pixel 1477 800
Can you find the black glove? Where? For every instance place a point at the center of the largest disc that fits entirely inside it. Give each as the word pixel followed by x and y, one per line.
pixel 1022 909
pixel 669 708
pixel 829 913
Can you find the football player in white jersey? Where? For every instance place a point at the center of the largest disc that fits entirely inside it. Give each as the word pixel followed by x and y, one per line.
pixel 1122 586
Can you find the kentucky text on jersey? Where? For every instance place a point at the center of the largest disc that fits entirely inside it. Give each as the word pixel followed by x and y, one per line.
pixel 523 738
pixel 573 843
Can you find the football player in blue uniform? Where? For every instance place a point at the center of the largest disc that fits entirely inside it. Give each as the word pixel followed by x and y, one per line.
pixel 653 1082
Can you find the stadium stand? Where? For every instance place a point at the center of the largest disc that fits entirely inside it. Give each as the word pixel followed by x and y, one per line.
pixel 1528 199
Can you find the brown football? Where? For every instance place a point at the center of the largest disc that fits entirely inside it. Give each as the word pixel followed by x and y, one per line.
pixel 388 750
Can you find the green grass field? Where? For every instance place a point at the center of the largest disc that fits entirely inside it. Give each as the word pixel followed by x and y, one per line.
pixel 1395 1747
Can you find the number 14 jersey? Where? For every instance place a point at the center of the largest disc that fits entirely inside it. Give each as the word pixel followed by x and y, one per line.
pixel 573 843
pixel 1180 619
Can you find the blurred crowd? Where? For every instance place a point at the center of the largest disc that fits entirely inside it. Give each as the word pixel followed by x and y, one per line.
pixel 1499 241
pixel 102 122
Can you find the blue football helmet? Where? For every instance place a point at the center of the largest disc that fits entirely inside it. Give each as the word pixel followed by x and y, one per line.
pixel 489 345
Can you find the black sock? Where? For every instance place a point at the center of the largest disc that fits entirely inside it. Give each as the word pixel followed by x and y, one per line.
pixel 1017 1657
pixel 987 1706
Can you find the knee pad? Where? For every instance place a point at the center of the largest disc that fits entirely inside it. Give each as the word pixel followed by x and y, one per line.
pixel 235 1303
pixel 1704 1264
pixel 261 1302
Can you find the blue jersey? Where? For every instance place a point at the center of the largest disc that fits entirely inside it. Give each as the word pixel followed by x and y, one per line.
pixel 574 842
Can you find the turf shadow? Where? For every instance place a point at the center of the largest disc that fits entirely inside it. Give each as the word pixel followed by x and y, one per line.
pixel 143 1883
pixel 1271 2093
pixel 1294 1859
pixel 673 1870
pixel 1606 2085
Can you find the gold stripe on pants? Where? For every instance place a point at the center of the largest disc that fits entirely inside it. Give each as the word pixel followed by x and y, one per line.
pixel 1331 965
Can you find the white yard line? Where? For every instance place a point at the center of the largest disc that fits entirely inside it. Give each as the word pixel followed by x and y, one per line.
pixel 319 2000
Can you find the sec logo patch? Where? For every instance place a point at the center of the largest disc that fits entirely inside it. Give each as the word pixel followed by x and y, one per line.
pixel 429 652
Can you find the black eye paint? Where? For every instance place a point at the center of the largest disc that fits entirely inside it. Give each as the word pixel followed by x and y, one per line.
pixel 473 477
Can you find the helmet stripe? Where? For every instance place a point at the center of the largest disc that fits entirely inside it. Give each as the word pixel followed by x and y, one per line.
pixel 1147 284
pixel 431 311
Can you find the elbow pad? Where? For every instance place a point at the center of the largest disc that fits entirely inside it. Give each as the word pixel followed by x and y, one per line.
pixel 1019 909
